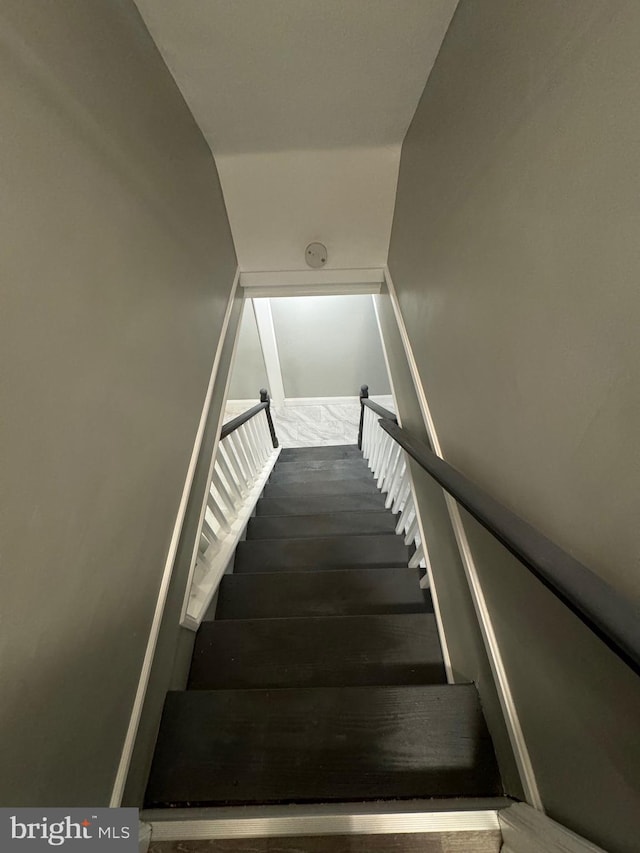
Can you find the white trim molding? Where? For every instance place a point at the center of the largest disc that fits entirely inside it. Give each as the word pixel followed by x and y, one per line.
pixel 312 282
pixel 526 830
pixel 321 401
pixel 269 346
pixel 147 662
pixel 427 580
pixel 510 713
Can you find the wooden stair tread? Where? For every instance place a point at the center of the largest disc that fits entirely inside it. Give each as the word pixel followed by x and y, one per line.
pixel 321 524
pixel 313 504
pixel 360 486
pixel 336 451
pixel 345 469
pixel 355 462
pixel 331 593
pixel 321 552
pixel 329 651
pixel 321 744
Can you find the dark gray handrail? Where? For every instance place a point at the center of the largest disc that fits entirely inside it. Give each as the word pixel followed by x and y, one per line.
pixel 380 410
pixel 602 608
pixel 264 398
pixel 239 420
pixel 375 407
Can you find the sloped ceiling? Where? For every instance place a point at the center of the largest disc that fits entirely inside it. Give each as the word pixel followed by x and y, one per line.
pixel 305 104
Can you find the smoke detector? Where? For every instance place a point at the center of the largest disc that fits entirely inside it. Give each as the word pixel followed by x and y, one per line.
pixel 316 255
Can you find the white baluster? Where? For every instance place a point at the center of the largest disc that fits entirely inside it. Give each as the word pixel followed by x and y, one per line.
pixel 403 493
pixel 412 530
pixel 392 467
pixel 218 482
pixel 233 478
pixel 239 446
pixel 379 454
pixel 385 460
pixel 405 516
pixel 265 436
pixel 370 424
pixel 377 448
pixel 396 479
pixel 239 461
pixel 247 444
pixel 208 532
pixel 216 511
pixel 417 557
pixel 257 443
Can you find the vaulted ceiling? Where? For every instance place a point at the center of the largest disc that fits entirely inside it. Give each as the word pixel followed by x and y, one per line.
pixel 305 104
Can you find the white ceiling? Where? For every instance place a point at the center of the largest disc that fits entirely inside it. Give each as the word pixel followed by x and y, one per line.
pixel 264 77
pixel 281 201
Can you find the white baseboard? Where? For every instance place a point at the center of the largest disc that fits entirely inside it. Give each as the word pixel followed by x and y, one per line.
pixel 290 402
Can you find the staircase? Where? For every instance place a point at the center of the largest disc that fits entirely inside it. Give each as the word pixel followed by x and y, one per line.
pixel 318 676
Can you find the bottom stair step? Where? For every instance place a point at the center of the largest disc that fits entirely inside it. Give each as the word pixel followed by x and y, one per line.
pixel 321 744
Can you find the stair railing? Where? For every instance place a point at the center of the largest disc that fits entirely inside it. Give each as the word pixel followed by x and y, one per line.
pixel 245 456
pixel 388 465
pixel 613 618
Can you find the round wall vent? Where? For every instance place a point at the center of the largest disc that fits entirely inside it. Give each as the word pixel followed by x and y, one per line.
pixel 316 255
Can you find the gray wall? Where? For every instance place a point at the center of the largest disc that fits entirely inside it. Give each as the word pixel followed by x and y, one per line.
pixel 117 263
pixel 248 374
pixel 174 649
pixel 515 255
pixel 329 346
pixel 469 661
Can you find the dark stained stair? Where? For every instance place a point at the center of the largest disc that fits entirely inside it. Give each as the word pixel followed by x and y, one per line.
pixel 321 524
pixel 346 469
pixel 323 651
pixel 322 744
pixel 322 552
pixel 351 592
pixel 319 504
pixel 318 675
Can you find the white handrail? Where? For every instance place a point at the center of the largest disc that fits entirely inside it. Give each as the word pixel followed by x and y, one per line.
pixel 388 465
